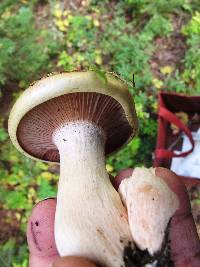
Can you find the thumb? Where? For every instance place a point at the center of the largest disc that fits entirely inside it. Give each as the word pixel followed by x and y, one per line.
pixel 185 243
pixel 40 234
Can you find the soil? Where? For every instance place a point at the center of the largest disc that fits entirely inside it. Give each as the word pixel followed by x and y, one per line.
pixel 170 50
pixel 138 258
pixel 9 225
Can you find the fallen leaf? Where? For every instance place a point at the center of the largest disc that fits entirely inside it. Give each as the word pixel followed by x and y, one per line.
pixel 98 60
pixel 96 23
pixel 166 70
pixel 157 83
pixel 183 117
pixel 109 168
pixel 58 13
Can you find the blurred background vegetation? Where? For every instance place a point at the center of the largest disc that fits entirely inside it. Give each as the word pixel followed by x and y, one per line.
pixel 158 41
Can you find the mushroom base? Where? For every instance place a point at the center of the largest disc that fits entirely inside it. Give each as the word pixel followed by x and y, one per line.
pixel 150 205
pixel 141 258
pixel 90 219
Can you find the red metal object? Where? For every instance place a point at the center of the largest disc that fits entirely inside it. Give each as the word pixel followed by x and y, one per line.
pixel 173 103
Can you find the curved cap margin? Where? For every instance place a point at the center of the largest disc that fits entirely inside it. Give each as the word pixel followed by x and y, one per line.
pixel 64 83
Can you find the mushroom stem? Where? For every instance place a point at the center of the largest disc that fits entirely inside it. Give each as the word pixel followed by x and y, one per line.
pixel 91 220
pixel 150 204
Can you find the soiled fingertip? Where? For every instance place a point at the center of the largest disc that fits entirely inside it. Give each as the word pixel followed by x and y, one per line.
pixel 185 243
pixel 71 261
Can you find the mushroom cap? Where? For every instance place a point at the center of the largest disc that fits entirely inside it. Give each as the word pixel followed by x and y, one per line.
pixel 64 97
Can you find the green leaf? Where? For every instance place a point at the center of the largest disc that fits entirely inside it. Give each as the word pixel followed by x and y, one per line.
pixel 3 135
pixel 100 73
pixel 46 189
pixel 16 200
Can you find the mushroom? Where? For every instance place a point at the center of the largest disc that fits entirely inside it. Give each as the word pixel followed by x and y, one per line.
pixel 150 205
pixel 76 119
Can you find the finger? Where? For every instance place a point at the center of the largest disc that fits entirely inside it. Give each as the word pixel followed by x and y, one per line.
pixel 40 234
pixel 72 261
pixel 121 176
pixel 185 243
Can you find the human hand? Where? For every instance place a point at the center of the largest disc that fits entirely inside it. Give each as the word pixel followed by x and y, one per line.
pixel 184 246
